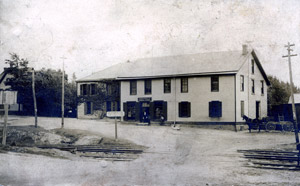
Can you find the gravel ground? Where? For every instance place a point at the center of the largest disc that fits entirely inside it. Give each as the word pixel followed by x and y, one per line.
pixel 190 156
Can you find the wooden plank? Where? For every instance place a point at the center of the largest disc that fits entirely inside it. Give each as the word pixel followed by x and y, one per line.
pixel 274 164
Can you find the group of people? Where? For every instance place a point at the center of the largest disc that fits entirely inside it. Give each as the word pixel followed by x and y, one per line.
pixel 146 119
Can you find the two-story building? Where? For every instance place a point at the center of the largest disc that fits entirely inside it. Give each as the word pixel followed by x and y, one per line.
pixel 216 87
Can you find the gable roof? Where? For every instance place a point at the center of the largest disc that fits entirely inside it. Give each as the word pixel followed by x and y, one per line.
pixel 2 76
pixel 260 67
pixel 228 62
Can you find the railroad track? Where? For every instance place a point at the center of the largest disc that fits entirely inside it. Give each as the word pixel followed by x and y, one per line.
pixel 94 148
pixel 111 152
pixel 272 159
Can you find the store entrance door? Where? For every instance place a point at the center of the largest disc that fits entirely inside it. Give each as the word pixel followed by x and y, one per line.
pixel 144 112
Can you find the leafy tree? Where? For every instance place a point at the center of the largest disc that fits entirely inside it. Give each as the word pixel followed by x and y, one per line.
pixel 47 86
pixel 19 81
pixel 279 92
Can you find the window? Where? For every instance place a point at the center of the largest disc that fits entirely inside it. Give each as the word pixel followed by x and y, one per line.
pixel 215 109
pixel 87 89
pixel 167 85
pixel 148 86
pixel 133 87
pixel 215 83
pixel 262 88
pixel 242 108
pixel 184 109
pixel 83 89
pixel 184 85
pixel 93 89
pixel 253 86
pixel 242 83
pixel 131 111
pixel 112 106
pixel 88 108
pixel 252 66
pixel 109 89
pixel 158 109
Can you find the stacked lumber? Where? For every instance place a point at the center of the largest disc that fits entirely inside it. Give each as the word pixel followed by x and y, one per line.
pixel 272 159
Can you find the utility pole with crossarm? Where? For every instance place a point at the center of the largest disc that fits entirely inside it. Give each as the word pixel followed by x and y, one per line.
pixel 291 87
pixel 63 93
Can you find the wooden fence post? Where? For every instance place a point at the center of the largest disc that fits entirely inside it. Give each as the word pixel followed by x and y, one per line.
pixel 5 125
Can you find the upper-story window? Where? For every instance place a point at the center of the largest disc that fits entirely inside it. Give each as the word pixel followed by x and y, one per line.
pixel 215 83
pixel 87 89
pixel 93 89
pixel 133 87
pixel 242 83
pixel 83 89
pixel 148 86
pixel 109 89
pixel 167 85
pixel 253 86
pixel 252 66
pixel 262 87
pixel 184 85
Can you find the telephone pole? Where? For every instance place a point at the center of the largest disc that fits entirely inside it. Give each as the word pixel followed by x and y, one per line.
pixel 63 93
pixel 34 98
pixel 291 87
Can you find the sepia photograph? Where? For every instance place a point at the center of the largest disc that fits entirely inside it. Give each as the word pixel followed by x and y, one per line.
pixel 149 92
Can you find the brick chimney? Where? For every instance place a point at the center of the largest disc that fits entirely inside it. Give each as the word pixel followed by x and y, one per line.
pixel 245 50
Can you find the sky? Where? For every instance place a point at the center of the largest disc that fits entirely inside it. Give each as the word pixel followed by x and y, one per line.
pixel 93 35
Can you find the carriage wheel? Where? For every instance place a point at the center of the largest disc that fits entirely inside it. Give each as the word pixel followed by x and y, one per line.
pixel 288 126
pixel 270 126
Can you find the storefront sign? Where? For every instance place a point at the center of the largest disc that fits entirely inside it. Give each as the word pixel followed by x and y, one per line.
pixel 115 114
pixel 144 99
pixel 8 97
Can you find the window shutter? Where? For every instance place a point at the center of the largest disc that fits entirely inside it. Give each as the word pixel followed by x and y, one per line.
pixel 210 109
pixel 118 106
pixel 85 108
pixel 165 110
pixel 108 106
pixel 92 108
pixel 151 110
pixel 179 109
pixel 81 90
pixel 125 111
pixel 219 109
pixel 189 109
pixel 137 111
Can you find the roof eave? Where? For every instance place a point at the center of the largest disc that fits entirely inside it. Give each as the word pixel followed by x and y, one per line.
pixel 260 68
pixel 94 80
pixel 178 75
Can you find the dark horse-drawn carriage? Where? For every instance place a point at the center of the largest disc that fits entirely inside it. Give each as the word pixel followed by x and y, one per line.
pixel 268 125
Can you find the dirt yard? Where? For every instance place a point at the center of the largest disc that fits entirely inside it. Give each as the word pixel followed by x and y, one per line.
pixel 190 156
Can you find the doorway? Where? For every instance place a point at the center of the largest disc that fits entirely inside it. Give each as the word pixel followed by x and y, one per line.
pixel 257 109
pixel 144 111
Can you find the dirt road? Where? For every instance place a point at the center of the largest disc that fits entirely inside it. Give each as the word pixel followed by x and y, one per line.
pixel 190 156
